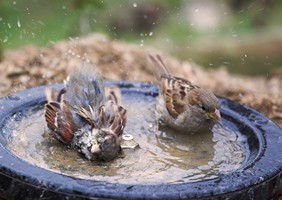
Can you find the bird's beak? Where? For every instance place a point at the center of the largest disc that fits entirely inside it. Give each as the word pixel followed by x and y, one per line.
pixel 215 115
pixel 95 149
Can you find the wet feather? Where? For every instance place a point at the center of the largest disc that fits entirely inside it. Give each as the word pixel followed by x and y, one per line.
pixel 83 116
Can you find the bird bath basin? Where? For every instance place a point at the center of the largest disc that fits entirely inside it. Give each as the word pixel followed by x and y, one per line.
pixel 241 157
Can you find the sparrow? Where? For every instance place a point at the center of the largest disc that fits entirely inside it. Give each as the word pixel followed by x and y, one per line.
pixel 182 105
pixel 84 116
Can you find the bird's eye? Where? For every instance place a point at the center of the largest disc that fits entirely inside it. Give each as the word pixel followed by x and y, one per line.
pixel 203 108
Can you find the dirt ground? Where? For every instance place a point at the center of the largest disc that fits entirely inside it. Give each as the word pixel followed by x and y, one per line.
pixel 32 66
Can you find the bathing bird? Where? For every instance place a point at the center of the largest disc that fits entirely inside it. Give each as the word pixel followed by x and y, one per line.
pixel 181 104
pixel 86 117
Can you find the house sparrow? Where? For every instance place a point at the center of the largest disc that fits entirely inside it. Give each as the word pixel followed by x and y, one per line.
pixel 81 116
pixel 182 105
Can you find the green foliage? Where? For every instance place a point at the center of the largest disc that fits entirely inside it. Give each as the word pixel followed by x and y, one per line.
pixel 41 22
pixel 160 23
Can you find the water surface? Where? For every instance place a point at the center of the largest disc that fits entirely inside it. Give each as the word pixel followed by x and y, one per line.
pixel 163 157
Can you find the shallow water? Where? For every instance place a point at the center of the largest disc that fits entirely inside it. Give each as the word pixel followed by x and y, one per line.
pixel 163 157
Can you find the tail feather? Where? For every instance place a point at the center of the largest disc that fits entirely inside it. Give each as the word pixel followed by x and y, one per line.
pixel 160 67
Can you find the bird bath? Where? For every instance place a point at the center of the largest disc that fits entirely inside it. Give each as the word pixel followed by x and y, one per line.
pixel 234 160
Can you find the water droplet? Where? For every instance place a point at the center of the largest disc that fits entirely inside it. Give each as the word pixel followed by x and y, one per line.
pixel 142 43
pixel 234 35
pixel 5 40
pixel 151 33
pixel 19 24
pixel 241 22
pixel 135 5
pixel 41 22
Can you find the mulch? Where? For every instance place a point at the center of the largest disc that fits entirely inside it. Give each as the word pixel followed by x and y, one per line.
pixel 32 66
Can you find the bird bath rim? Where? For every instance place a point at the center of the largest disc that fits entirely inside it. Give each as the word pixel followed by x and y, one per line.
pixel 258 177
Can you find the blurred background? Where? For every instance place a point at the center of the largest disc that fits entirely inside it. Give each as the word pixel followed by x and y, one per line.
pixel 245 36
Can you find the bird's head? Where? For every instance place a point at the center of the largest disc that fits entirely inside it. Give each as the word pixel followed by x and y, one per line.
pixel 105 146
pixel 206 104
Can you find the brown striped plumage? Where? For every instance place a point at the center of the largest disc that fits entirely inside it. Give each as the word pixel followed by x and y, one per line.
pixel 183 105
pixel 82 115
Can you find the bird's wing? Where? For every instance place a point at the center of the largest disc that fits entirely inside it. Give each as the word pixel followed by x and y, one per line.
pixel 113 116
pixel 120 125
pixel 56 121
pixel 175 92
pixel 57 115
